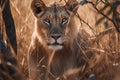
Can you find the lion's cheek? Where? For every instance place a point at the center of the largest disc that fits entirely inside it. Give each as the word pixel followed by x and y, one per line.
pixel 67 30
pixel 43 33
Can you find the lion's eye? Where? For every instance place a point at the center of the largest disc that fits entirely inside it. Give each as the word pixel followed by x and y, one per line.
pixel 47 21
pixel 64 21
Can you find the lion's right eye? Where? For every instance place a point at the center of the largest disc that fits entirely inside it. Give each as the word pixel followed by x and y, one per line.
pixel 47 21
pixel 64 21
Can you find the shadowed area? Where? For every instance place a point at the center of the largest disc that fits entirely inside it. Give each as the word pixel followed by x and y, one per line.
pixel 9 23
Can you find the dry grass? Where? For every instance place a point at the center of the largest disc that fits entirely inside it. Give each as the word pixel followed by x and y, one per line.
pixel 104 42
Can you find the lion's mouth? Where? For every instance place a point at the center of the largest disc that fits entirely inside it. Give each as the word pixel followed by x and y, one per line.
pixel 55 46
pixel 56 43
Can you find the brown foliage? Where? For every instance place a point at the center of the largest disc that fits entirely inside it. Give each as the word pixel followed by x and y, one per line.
pixel 104 42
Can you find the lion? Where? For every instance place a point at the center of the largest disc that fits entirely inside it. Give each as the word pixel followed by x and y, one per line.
pixel 54 50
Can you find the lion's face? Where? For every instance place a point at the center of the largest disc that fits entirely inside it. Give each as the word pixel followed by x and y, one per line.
pixel 53 24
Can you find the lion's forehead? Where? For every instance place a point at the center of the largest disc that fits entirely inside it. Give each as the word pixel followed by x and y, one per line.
pixel 56 11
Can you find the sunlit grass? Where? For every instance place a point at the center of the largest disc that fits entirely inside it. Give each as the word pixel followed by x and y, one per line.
pixel 103 43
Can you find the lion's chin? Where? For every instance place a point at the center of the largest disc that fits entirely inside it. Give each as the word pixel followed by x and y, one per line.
pixel 55 47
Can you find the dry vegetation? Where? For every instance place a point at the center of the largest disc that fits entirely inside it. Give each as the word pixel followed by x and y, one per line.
pixel 104 40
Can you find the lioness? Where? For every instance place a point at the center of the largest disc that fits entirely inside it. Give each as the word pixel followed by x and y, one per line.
pixel 54 48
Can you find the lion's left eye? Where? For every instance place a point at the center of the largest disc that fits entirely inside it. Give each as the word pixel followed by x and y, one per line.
pixel 47 21
pixel 64 21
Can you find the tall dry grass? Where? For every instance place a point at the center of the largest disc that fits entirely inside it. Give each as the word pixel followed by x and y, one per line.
pixel 105 42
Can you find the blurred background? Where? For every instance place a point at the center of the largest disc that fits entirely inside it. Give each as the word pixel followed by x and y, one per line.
pixel 99 18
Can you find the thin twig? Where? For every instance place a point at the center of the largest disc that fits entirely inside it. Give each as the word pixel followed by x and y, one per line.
pixel 85 23
pixel 104 15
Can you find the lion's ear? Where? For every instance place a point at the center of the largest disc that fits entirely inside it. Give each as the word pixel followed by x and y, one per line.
pixel 38 7
pixel 72 5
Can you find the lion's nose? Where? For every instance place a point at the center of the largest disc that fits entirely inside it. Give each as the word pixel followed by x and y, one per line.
pixel 55 36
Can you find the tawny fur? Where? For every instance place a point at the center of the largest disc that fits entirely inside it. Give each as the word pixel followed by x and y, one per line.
pixel 45 63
